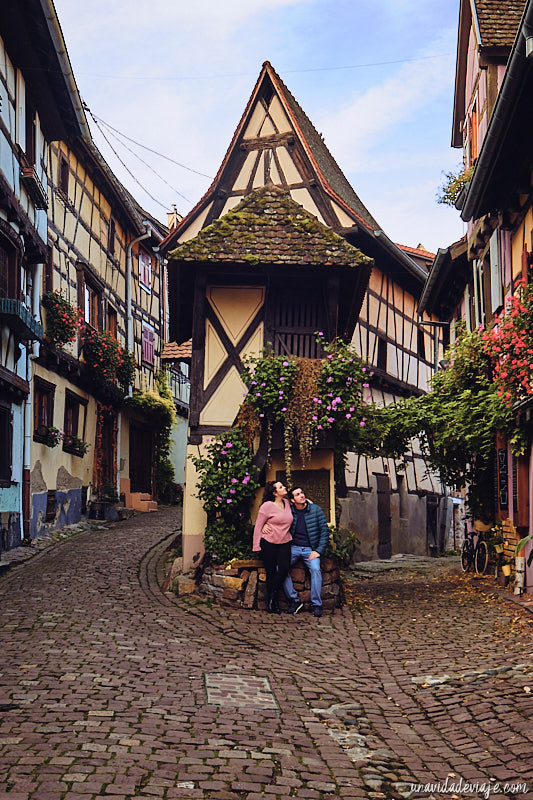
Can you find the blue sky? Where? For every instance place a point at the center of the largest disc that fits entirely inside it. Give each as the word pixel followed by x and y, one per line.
pixel 375 77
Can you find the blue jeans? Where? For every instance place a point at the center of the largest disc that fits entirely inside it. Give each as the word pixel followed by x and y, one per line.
pixel 314 569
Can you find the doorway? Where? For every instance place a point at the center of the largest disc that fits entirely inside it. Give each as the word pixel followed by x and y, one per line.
pixel 384 516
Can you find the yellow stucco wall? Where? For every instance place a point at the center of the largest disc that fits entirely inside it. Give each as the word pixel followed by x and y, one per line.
pixel 522 234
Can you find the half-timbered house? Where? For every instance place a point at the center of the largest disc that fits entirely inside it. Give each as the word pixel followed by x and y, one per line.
pixel 471 279
pixel 101 259
pixel 36 108
pixel 276 145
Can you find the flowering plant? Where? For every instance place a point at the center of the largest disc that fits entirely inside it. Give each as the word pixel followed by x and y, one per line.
pixel 62 320
pixel 53 437
pixel 226 486
pixel 309 396
pixel 77 445
pixel 510 345
pixel 108 361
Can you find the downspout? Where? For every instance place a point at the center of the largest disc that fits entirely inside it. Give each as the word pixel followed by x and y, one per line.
pixel 129 312
pixel 129 335
pixel 32 351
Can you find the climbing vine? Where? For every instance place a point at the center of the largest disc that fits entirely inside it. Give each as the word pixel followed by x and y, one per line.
pixel 159 409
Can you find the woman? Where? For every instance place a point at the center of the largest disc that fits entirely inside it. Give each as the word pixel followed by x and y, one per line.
pixel 275 546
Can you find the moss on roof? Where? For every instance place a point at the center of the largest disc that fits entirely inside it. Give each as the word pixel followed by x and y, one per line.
pixel 269 227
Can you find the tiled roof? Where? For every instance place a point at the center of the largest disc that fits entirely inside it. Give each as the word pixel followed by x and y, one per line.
pixel 172 351
pixel 268 226
pixel 498 21
pixel 417 251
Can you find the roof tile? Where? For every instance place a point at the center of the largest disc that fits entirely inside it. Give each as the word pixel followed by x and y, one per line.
pixel 499 21
pixel 268 226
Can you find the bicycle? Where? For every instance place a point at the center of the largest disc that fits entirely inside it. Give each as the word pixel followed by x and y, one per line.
pixel 474 554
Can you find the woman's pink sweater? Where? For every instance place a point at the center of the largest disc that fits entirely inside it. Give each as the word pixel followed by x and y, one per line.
pixel 279 521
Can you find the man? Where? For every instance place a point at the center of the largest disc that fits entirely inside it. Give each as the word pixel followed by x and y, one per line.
pixel 310 536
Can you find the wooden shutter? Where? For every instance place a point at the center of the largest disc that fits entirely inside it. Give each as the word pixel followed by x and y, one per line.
pixel 148 345
pixel 496 287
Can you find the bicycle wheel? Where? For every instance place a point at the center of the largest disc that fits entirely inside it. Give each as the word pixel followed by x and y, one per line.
pixel 482 557
pixel 467 555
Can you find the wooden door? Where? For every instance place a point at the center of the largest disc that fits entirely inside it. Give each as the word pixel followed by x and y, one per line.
pixel 384 517
pixel 140 459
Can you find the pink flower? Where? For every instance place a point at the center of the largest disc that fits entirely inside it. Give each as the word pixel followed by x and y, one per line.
pixel 285 363
pixel 234 480
pixel 232 491
pixel 229 500
pixel 348 416
pixel 219 498
pixel 283 409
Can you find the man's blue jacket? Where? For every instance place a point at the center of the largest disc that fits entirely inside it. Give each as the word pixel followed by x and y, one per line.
pixel 317 527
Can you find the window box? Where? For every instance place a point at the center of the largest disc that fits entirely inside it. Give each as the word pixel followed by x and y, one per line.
pixel 34 187
pixel 20 319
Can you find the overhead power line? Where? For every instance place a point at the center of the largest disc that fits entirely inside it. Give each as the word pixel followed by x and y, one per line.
pixel 128 170
pixel 146 164
pixel 150 150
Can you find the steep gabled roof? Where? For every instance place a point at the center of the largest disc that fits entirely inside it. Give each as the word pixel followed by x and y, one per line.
pixel 269 227
pixel 321 164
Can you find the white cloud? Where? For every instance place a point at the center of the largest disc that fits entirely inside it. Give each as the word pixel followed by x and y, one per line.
pixel 370 118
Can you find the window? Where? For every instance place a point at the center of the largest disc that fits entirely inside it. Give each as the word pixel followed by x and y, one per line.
pixel 62 179
pixel 90 290
pixel 48 272
pixel 50 505
pixel 148 337
pixel 299 312
pixel 111 237
pixel 382 354
pixel 91 305
pixel 421 344
pixel 111 320
pixel 6 438
pixel 31 137
pixel 43 409
pixel 8 272
pixel 74 421
pixel 145 270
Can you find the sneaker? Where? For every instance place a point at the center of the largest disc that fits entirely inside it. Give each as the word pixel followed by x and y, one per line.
pixel 295 606
pixel 317 611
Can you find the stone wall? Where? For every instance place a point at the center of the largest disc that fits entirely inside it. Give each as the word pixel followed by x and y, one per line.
pixel 242 584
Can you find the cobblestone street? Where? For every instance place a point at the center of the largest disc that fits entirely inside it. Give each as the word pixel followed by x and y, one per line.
pixel 111 689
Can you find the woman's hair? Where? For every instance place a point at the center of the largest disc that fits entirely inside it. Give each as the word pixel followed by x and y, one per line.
pixel 270 491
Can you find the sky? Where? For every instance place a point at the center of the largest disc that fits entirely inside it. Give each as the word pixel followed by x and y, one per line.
pixel 375 77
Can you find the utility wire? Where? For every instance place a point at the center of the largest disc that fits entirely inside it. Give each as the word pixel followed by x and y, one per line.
pixel 146 164
pixel 155 152
pixel 128 170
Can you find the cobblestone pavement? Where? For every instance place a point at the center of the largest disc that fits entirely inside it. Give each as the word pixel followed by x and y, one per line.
pixel 111 689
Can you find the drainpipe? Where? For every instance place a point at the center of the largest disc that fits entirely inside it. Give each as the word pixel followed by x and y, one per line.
pixel 32 351
pixel 129 312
